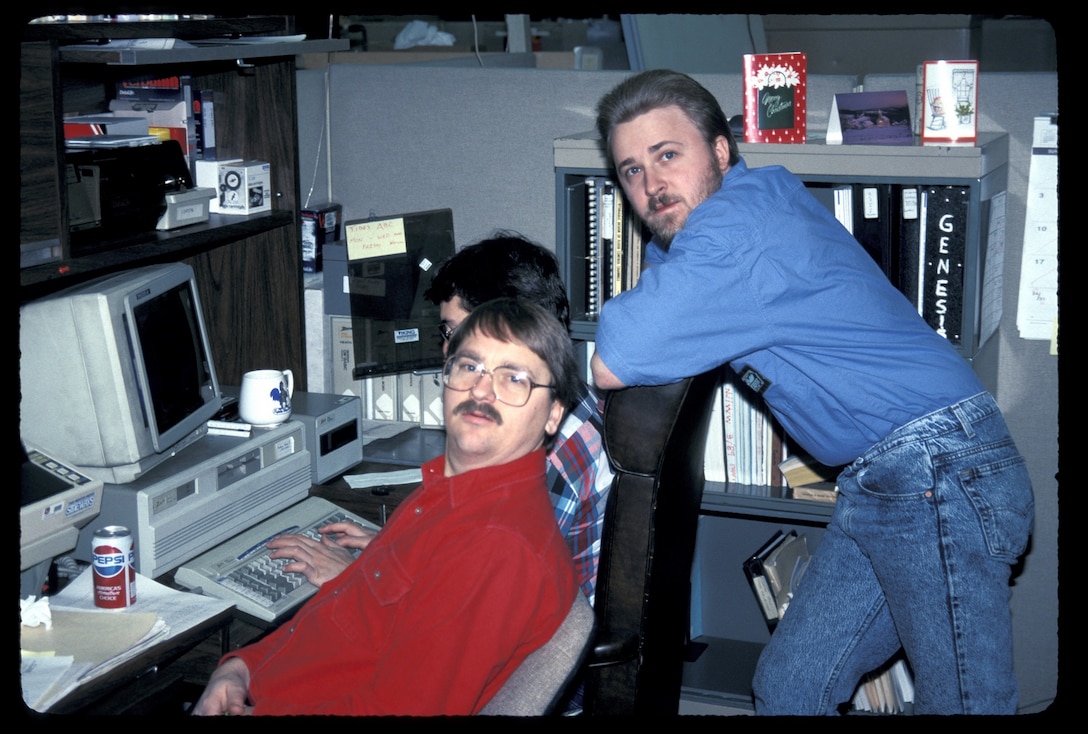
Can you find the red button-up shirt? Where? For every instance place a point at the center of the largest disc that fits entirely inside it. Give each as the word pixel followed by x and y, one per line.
pixel 467 578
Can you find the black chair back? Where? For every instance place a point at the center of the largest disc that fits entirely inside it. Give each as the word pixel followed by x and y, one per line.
pixel 656 439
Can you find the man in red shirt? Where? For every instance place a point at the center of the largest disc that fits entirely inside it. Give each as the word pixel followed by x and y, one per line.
pixel 469 575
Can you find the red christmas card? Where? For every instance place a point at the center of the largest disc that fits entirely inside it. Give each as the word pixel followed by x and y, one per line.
pixel 775 98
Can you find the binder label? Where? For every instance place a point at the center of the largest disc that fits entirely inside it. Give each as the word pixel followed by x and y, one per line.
pixel 944 242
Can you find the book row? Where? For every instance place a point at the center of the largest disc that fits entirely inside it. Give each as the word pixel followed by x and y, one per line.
pixel 150 109
pixel 917 234
pixel 774 572
pixel 745 444
pixel 615 240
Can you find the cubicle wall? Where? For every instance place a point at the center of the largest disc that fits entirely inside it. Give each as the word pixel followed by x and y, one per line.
pixel 405 138
pixel 479 141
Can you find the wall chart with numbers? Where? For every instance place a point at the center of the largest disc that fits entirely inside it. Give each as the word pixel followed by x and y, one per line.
pixel 1037 309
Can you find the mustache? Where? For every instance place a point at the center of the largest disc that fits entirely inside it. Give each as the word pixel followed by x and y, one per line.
pixel 471 406
pixel 656 202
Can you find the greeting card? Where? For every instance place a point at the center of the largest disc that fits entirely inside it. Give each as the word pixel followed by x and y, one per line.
pixel 949 102
pixel 870 118
pixel 775 103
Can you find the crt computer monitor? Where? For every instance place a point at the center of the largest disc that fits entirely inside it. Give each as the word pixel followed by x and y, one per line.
pixel 117 373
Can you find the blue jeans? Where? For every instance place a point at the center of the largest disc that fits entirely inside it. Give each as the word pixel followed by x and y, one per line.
pixel 918 554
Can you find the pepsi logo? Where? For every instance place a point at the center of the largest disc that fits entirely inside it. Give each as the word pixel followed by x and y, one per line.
pixel 108 561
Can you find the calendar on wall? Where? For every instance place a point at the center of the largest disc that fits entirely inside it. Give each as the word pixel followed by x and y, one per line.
pixel 1037 309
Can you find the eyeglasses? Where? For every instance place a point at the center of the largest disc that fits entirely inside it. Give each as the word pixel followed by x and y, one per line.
pixel 446 330
pixel 511 386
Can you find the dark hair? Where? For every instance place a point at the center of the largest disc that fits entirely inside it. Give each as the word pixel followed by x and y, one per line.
pixel 657 88
pixel 506 265
pixel 515 320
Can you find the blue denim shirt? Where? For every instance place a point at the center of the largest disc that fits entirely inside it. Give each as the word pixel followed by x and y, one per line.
pixel 764 276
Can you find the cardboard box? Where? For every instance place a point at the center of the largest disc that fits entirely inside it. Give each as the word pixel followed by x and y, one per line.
pixel 245 187
pixel 431 391
pixel 342 357
pixel 207 176
pixel 383 398
pixel 320 226
pixel 409 391
pixel 185 207
pixel 105 124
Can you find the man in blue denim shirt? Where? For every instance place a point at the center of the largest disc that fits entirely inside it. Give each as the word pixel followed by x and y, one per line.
pixel 935 502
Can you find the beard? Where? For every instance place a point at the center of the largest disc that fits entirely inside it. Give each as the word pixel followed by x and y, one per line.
pixel 666 226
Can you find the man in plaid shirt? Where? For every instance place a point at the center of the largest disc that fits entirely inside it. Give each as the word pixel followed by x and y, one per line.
pixel 578 474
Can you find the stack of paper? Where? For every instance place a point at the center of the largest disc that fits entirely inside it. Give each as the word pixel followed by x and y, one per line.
pixel 85 642
pixel 80 645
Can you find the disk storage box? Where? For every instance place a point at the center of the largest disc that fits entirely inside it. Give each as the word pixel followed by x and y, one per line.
pixel 334 431
pixel 245 187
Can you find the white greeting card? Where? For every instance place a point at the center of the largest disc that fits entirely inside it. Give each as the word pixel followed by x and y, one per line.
pixel 949 102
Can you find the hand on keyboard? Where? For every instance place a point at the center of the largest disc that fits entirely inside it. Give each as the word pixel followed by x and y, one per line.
pixel 321 560
pixel 243 571
pixel 347 535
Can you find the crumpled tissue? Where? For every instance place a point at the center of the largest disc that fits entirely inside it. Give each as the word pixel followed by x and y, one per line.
pixel 420 33
pixel 35 613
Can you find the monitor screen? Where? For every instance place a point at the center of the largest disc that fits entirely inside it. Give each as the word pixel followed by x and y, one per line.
pixel 390 262
pixel 175 365
pixel 117 374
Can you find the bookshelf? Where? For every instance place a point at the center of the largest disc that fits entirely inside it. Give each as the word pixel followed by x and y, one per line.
pixel 244 265
pixel 982 169
pixel 737 519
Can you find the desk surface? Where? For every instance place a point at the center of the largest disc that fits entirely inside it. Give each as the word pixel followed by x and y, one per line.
pixel 89 697
pixel 411 448
pixel 414 447
pixel 188 658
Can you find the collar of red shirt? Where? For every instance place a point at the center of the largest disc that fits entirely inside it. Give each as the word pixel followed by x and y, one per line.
pixel 479 482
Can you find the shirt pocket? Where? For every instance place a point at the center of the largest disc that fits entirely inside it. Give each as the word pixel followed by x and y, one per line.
pixel 385 576
pixel 364 607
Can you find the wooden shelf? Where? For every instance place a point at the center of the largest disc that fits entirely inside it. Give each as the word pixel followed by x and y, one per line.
pixel 763 502
pixel 184 28
pixel 226 52
pixel 146 248
pixel 245 266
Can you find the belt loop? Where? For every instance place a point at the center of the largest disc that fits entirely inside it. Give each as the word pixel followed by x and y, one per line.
pixel 961 416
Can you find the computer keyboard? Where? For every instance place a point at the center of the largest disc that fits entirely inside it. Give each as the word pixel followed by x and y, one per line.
pixel 241 572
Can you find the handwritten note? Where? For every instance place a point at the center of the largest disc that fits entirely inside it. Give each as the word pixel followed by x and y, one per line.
pixel 375 239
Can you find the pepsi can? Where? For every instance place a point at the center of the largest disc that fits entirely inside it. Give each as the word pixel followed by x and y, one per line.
pixel 113 560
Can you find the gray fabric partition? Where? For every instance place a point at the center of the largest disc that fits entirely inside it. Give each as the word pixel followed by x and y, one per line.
pixel 477 140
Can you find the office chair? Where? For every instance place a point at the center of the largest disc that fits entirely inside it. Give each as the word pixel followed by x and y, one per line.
pixel 655 438
pixel 542 679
